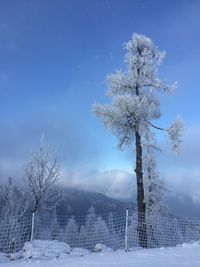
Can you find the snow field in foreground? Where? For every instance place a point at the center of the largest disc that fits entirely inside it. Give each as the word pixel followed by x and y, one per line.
pixel 186 255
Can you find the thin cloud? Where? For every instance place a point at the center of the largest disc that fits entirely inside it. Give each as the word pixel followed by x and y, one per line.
pixel 113 183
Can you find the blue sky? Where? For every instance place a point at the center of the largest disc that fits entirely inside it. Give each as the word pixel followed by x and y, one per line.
pixel 54 58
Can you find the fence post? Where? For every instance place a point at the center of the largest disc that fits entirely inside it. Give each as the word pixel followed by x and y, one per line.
pixel 126 231
pixel 32 225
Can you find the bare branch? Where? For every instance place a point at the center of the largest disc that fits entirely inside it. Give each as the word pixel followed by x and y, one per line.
pixel 156 127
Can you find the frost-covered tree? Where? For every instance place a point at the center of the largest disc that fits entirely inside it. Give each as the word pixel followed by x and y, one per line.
pixel 90 222
pixel 116 235
pixel 71 233
pixel 101 232
pixel 13 200
pixel 154 186
pixel 135 106
pixel 14 205
pixel 82 237
pixel 95 230
pixel 41 174
pixel 46 226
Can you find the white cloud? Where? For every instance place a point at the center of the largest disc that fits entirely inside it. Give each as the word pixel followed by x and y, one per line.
pixel 186 182
pixel 182 173
pixel 113 183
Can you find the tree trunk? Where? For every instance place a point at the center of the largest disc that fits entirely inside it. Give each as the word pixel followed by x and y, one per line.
pixel 141 227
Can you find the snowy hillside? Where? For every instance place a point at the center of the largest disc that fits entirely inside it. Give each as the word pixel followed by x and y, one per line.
pixel 187 255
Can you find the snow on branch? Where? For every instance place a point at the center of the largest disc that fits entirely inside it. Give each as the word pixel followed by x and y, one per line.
pixel 126 113
pixel 161 85
pixel 174 133
pixel 120 83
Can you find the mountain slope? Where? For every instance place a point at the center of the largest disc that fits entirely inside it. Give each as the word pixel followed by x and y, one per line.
pixel 76 202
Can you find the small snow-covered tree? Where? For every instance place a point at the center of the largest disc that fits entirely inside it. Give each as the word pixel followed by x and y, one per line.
pixel 116 238
pixel 90 222
pixel 82 237
pixel 154 186
pixel 46 225
pixel 13 200
pixel 71 233
pixel 41 174
pixel 135 106
pixel 101 231
pixel 14 205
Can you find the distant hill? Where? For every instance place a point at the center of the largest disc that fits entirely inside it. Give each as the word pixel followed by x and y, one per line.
pixel 78 202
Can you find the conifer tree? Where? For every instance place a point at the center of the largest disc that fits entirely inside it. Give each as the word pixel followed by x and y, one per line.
pixel 134 107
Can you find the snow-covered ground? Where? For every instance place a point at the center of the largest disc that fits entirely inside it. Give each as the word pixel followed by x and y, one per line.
pixel 187 255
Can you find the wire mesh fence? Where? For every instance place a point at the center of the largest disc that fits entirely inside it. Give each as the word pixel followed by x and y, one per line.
pixel 161 231
pixel 14 232
pixel 116 230
pixel 83 231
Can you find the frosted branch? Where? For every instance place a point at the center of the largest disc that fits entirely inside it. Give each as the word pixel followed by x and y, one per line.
pixel 175 133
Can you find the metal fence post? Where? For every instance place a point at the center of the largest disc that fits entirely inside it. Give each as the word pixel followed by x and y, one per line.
pixel 32 225
pixel 126 231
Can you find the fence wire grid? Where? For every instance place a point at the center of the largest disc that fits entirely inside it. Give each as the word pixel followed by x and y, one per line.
pixel 116 230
